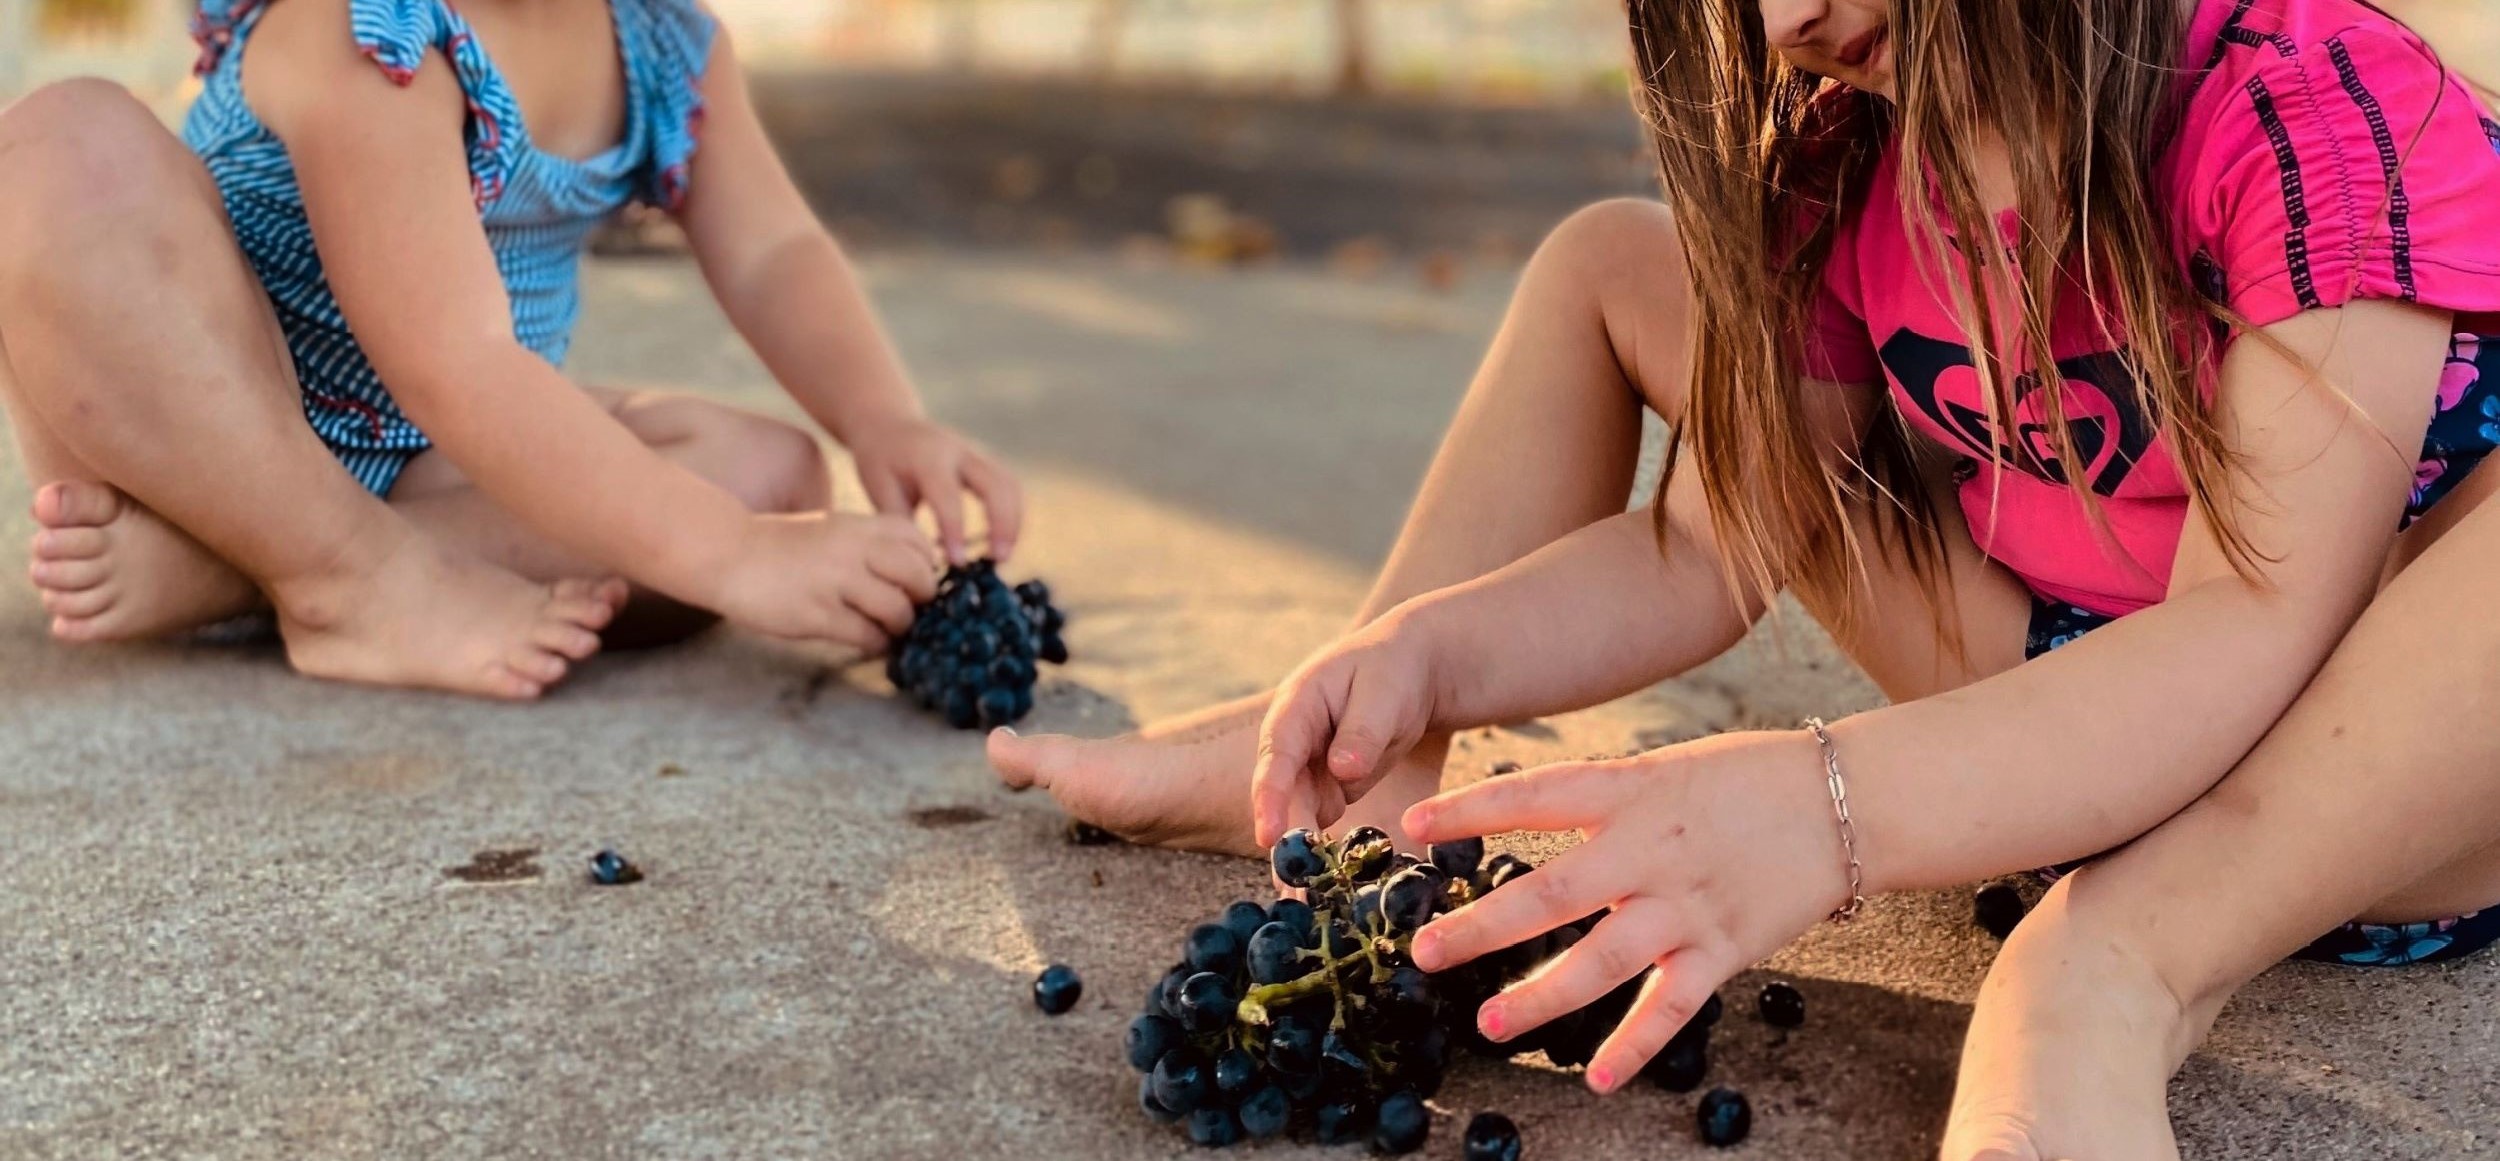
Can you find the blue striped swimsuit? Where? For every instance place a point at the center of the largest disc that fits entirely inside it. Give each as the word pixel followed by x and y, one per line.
pixel 538 209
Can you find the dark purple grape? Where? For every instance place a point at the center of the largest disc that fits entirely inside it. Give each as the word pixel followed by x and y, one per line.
pixel 1265 1113
pixel 1275 955
pixel 1181 1082
pixel 1401 1125
pixel 1342 1121
pixel 1147 1101
pixel 1782 1005
pixel 1492 1137
pixel 1681 1067
pixel 1724 1117
pixel 1245 918
pixel 1208 1003
pixel 1149 1037
pixel 1298 918
pixel 1214 1127
pixel 1212 947
pixel 1057 989
pixel 1293 1046
pixel 1297 859
pixel 1407 900
pixel 1459 858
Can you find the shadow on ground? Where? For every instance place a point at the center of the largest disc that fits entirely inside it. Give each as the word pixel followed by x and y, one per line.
pixel 231 931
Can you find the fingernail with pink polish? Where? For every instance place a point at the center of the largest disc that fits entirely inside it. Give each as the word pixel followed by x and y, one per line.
pixel 1489 1021
pixel 1602 1080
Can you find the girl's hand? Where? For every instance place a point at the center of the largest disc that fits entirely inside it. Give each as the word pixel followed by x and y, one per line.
pixel 1339 723
pixel 910 461
pixel 829 576
pixel 1713 854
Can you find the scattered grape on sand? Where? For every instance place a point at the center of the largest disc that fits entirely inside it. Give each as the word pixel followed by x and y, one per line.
pixel 971 654
pixel 1783 1006
pixel 610 869
pixel 1492 1137
pixel 1057 989
pixel 1724 1117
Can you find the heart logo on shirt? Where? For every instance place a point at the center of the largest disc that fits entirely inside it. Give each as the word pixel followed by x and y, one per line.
pixel 2111 434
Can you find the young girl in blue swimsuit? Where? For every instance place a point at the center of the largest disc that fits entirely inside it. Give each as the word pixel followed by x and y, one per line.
pixel 309 355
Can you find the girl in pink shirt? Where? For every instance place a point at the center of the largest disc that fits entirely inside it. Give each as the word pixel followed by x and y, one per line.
pixel 2112 379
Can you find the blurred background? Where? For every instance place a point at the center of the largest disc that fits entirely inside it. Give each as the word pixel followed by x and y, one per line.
pixel 1442 134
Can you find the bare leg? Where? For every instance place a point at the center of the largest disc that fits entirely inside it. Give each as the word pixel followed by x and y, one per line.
pixel 2101 994
pixel 110 230
pixel 769 465
pixel 1545 444
pixel 106 568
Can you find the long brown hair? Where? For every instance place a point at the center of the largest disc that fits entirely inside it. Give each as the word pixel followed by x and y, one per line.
pixel 1760 160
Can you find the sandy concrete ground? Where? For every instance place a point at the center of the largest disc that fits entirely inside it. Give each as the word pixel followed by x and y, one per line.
pixel 229 932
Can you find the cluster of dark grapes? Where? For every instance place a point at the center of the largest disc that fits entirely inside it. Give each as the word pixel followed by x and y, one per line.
pixel 1308 1017
pixel 1311 1017
pixel 972 651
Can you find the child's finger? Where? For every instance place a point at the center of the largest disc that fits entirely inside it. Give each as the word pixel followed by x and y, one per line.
pixel 909 572
pixel 886 492
pixel 1002 500
pixel 1621 947
pixel 1562 797
pixel 945 496
pixel 882 603
pixel 1669 998
pixel 847 626
pixel 1368 730
pixel 1564 889
pixel 1280 792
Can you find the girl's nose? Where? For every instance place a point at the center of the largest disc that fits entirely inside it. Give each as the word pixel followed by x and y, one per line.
pixel 1792 23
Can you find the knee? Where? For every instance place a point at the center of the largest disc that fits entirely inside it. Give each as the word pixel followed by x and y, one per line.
pixel 771 466
pixel 80 160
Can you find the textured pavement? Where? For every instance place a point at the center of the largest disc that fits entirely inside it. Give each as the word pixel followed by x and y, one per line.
pixel 229 931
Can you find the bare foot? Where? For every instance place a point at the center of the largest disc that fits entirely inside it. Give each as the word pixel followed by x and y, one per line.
pixel 1185 783
pixel 110 570
pixel 420 616
pixel 2070 1052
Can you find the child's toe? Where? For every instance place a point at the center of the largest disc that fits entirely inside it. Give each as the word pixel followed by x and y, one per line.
pixel 76 503
pixel 72 543
pixel 77 605
pixel 511 686
pixel 582 605
pixel 75 629
pixel 1023 762
pixel 538 666
pixel 567 640
pixel 69 576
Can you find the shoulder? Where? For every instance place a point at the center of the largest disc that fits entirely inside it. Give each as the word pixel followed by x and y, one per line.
pixel 2315 64
pixel 677 33
pixel 2328 154
pixel 315 65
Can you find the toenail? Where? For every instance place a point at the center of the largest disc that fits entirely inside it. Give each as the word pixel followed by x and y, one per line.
pixel 1010 731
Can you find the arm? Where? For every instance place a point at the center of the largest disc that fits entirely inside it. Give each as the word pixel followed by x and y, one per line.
pixel 386 188
pixel 1587 619
pixel 2025 768
pixel 1715 853
pixel 784 283
pixel 1595 615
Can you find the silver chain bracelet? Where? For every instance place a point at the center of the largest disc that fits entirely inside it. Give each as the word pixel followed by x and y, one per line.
pixel 1848 830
